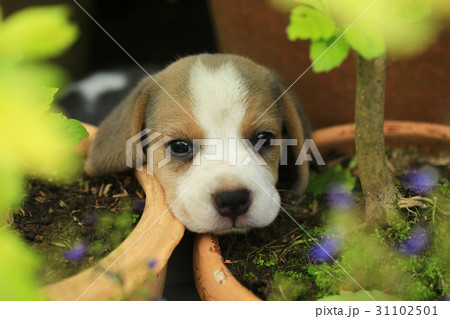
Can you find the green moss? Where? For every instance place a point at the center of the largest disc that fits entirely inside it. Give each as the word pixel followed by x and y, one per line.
pixel 326 284
pixel 445 189
pixel 249 275
pixel 264 260
pixel 374 260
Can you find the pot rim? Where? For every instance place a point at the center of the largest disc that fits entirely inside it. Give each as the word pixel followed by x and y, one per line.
pixel 137 250
pixel 208 260
pixel 392 129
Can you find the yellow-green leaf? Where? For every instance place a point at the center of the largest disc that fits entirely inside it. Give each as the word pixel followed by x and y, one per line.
pixel 11 183
pixel 415 11
pixel 48 95
pixel 38 32
pixel 367 41
pixel 319 5
pixel 333 57
pixel 18 273
pixel 308 23
pixel 72 128
pixel 42 74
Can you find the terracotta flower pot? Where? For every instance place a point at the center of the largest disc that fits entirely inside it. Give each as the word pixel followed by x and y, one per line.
pixel 213 279
pixel 416 88
pixel 129 260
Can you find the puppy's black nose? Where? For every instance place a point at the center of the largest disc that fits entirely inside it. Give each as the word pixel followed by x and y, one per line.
pixel 232 203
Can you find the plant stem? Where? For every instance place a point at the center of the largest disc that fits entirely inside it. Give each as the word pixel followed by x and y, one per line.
pixel 380 194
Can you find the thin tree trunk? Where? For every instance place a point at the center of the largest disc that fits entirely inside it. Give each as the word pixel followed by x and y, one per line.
pixel 380 194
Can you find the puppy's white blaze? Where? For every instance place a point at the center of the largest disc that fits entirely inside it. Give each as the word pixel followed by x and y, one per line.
pixel 218 98
pixel 219 104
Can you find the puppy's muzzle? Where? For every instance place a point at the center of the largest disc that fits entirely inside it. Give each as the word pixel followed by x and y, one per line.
pixel 232 204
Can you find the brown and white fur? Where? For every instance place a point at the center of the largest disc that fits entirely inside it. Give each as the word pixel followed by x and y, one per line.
pixel 225 94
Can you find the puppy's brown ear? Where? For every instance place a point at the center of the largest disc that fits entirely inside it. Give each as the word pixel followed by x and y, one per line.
pixel 295 126
pixel 108 151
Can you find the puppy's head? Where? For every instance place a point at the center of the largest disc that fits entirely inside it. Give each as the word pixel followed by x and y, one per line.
pixel 216 116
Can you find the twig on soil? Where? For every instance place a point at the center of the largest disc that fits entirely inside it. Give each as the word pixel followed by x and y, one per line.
pixel 418 201
pixel 22 211
pixel 106 189
pixel 100 193
pixel 121 195
pixel 139 194
pixel 268 245
pixel 292 244
pixel 86 187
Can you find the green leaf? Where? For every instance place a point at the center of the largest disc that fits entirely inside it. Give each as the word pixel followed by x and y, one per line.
pixel 38 32
pixel 18 272
pixel 333 57
pixel 367 41
pixel 42 74
pixel 308 23
pixel 415 11
pixel 11 184
pixel 319 182
pixel 47 96
pixel 44 97
pixel 361 295
pixel 319 5
pixel 76 131
pixel 72 129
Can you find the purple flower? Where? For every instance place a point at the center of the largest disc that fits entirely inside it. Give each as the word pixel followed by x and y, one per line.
pixel 326 250
pixel 138 205
pixel 417 242
pixel 152 263
pixel 90 220
pixel 76 253
pixel 423 180
pixel 339 197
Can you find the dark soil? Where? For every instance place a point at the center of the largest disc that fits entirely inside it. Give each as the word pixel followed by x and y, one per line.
pixel 74 226
pixel 284 250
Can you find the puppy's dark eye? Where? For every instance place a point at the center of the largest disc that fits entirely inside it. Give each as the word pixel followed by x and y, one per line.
pixel 180 148
pixel 265 136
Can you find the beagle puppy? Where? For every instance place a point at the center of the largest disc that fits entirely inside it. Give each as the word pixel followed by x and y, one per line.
pixel 218 97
